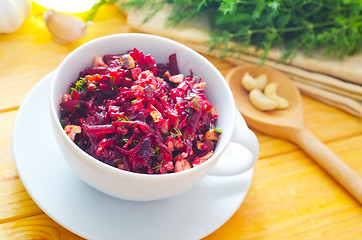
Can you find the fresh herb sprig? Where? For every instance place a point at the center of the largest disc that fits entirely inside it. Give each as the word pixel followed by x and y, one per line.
pixel 96 6
pixel 333 27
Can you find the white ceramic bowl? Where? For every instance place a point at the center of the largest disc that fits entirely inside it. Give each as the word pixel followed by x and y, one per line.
pixel 143 187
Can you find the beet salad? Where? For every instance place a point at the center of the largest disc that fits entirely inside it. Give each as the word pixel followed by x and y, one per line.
pixel 131 113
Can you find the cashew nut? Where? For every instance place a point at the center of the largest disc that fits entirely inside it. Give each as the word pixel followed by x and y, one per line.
pixel 270 91
pixel 260 101
pixel 72 130
pixel 250 83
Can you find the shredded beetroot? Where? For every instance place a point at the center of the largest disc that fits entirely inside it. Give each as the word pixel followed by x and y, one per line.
pixel 132 114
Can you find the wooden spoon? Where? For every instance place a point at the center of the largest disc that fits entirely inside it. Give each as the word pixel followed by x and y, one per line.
pixel 288 124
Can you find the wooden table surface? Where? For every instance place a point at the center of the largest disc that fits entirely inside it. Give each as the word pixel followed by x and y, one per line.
pixel 291 197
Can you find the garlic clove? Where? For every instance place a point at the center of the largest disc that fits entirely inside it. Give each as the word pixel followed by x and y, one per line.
pixel 270 91
pixel 64 28
pixel 250 83
pixel 260 101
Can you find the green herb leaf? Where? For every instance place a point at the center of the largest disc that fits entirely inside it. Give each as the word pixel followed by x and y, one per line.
pixel 80 84
pixel 176 132
pixel 195 102
pixel 96 6
pixel 62 122
pixel 333 27
pixel 218 130
pixel 124 119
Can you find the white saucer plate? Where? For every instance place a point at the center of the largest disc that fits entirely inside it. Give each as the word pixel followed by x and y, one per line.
pixel 93 215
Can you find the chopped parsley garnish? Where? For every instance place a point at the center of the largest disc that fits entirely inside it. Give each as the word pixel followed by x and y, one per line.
pixel 218 130
pixel 176 132
pixel 80 84
pixel 123 119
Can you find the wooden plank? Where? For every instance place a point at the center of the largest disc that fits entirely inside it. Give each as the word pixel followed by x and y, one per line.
pixel 37 227
pixel 15 201
pixel 6 128
pixel 291 197
pixel 329 123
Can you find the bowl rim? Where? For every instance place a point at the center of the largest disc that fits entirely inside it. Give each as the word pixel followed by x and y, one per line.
pixel 98 165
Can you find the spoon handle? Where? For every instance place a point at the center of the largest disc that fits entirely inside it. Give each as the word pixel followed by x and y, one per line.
pixel 328 160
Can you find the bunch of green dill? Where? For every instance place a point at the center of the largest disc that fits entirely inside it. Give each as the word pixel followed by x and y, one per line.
pixel 333 27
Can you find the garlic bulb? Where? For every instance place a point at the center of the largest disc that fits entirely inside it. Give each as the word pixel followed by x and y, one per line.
pixel 12 14
pixel 64 28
